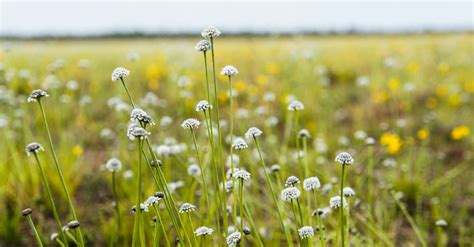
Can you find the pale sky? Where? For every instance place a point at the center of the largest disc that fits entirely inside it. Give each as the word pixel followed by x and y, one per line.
pixel 86 17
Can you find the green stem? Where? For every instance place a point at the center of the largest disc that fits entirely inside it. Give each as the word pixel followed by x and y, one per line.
pixel 341 206
pixel 128 92
pixel 38 238
pixel 117 210
pixel 318 217
pixel 136 225
pixel 231 151
pixel 241 211
pixel 162 225
pixel 203 177
pixel 252 224
pixel 192 229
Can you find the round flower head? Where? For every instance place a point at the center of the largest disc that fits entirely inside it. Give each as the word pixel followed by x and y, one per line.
pixel 203 231
pixel 190 123
pixel 229 70
pixel 140 115
pixel 33 147
pixel 203 45
pixel 275 168
pixel 152 200
pixel 306 232
pixel 253 132
pixel 37 94
pixel 233 239
pixel 242 174
pixel 229 185
pixel 292 181
pixel 26 211
pixel 295 105
pixel 311 183
pixel 335 202
pixel 247 230
pixel 135 131
pixel 344 158
pixel 54 236
pixel 441 223
pixel 203 105
pixel 73 224
pixel 194 170
pixel 239 143
pixel 119 73
pixel 186 208
pixel 304 133
pixel 210 32
pixel 348 192
pixel 113 165
pixel 290 193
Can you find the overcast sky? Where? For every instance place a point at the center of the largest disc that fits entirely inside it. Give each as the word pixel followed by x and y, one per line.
pixel 79 17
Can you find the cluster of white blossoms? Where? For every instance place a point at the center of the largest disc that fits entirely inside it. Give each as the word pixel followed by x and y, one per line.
pixel 233 239
pixel 136 131
pixel 203 45
pixel 140 115
pixel 311 183
pixel 335 202
pixel 348 192
pixel 253 132
pixel 203 231
pixel 37 94
pixel 210 32
pixel 119 73
pixel 295 105
pixel 152 200
pixel 292 181
pixel 239 143
pixel 290 193
pixel 186 208
pixel 304 133
pixel 194 170
pixel 190 123
pixel 241 174
pixel 203 105
pixel 344 158
pixel 113 165
pixel 306 232
pixel 229 70
pixel 33 148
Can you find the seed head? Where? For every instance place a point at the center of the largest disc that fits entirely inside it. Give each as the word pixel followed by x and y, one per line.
pixel 190 123
pixel 203 231
pixel 33 147
pixel 253 132
pixel 306 232
pixel 348 192
pixel 335 202
pixel 241 174
pixel 311 183
pixel 26 211
pixel 140 115
pixel 203 105
pixel 210 32
pixel 233 239
pixel 239 143
pixel 37 94
pixel 292 181
pixel 119 73
pixel 344 158
pixel 295 105
pixel 113 165
pixel 186 208
pixel 229 70
pixel 203 45
pixel 290 193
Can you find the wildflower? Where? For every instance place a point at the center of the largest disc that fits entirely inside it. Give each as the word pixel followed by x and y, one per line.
pixel 156 163
pixel 335 202
pixel 190 123
pixel 370 141
pixel 348 192
pixel 239 143
pixel 304 133
pixel 203 230
pixel 159 194
pixel 247 230
pixel 441 223
pixel 344 158
pixel 144 207
pixel 113 165
pixel 242 174
pixel 119 73
pixel 290 193
pixel 33 147
pixel 295 105
pixel 423 134
pixel 152 200
pixel 291 181
pixel 392 142
pixel 194 170
pixel 26 211
pixel 311 183
pixel 54 236
pixel 253 132
pixel 323 212
pixel 210 32
pixel 140 115
pixel 460 132
pixel 37 94
pixel 186 208
pixel 275 168
pixel 73 224
pixel 203 105
pixel 229 185
pixel 229 70
pixel 306 232
pixel 233 239
pixel 135 131
pixel 203 45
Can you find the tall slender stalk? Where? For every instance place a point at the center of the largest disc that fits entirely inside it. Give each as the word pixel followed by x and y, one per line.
pixel 165 236
pixel 58 169
pixel 116 206
pixel 37 236
pixel 136 224
pixel 318 217
pixel 231 151
pixel 203 177
pixel 341 206
pixel 192 229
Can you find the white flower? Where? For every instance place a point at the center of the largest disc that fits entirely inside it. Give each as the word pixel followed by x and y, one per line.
pixel 348 192
pixel 33 147
pixel 335 202
pixel 304 133
pixel 253 132
pixel 203 230
pixel 275 168
pixel 203 105
pixel 190 123
pixel 306 232
pixel 242 174
pixel 152 200
pixel 290 193
pixel 233 239
pixel 203 45
pixel 344 158
pixel 441 223
pixel 113 165
pixel 135 131
pixel 140 115
pixel 210 32
pixel 291 181
pixel 239 143
pixel 311 183
pixel 229 70
pixel 37 94
pixel 119 73
pixel 229 185
pixel 186 208
pixel 295 105
pixel 194 170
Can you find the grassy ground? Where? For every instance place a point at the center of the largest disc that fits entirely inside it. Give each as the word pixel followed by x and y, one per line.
pixel 412 94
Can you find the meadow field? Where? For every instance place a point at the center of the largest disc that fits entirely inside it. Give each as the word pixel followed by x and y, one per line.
pixel 401 106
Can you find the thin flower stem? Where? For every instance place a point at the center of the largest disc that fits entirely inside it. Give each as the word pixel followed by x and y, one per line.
pixel 231 151
pixel 116 201
pixel 203 177
pixel 300 165
pixel 136 225
pixel 295 215
pixel 318 217
pixel 300 212
pixel 241 211
pixel 162 225
pixel 270 186
pixel 60 173
pixel 192 228
pixel 341 206
pixel 252 224
pixel 38 238
pixel 128 92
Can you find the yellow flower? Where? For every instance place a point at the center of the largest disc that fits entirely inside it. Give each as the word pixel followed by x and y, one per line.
pixel 443 68
pixel 392 142
pixel 261 79
pixel 454 100
pixel 380 97
pixel 441 90
pixel 469 86
pixel 240 86
pixel 413 67
pixel 77 151
pixel 423 134
pixel 394 84
pixel 272 68
pixel 460 132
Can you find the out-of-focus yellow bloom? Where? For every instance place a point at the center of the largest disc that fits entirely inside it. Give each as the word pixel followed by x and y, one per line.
pixel 394 84
pixel 469 86
pixel 261 79
pixel 380 97
pixel 77 151
pixel 441 90
pixel 392 142
pixel 153 75
pixel 454 100
pixel 272 69
pixel 413 67
pixel 443 68
pixel 431 102
pixel 222 97
pixel 423 134
pixel 460 132
pixel 240 86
